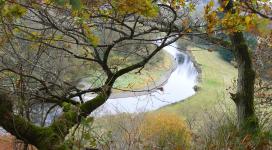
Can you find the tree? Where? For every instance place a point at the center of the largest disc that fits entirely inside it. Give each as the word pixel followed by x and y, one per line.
pixel 244 96
pixel 43 42
pixel 235 18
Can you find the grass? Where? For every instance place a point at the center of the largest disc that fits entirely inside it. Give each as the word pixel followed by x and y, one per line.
pixel 217 75
pixel 149 76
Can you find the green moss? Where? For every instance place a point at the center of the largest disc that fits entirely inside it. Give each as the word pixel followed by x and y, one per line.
pixel 90 105
pixel 5 105
pixel 43 138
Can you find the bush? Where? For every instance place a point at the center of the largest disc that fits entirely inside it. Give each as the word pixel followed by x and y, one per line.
pixel 220 132
pixel 164 131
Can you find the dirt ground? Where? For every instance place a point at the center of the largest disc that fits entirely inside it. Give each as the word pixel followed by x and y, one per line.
pixel 8 142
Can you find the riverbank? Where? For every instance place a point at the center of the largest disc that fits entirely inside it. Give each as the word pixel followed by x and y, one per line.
pixel 179 86
pixel 150 80
pixel 157 78
pixel 217 75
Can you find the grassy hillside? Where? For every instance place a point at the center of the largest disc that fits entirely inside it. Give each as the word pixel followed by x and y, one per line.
pixel 217 75
pixel 155 72
pixel 152 73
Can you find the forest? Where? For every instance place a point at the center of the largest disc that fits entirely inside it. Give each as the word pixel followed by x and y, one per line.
pixel 135 75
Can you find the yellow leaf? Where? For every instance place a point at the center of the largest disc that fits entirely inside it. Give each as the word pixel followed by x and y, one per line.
pixel 220 9
pixel 247 20
pixel 211 3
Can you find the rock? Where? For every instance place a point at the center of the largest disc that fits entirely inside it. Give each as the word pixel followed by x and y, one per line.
pixel 196 88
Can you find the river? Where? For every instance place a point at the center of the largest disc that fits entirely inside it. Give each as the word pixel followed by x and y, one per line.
pixel 179 86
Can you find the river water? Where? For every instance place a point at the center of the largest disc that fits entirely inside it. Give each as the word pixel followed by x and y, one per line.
pixel 179 86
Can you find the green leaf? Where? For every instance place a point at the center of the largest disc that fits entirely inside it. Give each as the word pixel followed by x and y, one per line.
pixel 60 2
pixel 2 2
pixel 66 106
pixel 76 4
pixel 89 120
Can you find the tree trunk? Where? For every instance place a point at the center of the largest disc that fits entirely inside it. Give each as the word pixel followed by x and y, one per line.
pixel 244 97
pixel 52 137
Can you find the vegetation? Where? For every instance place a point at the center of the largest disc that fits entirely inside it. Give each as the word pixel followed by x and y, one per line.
pixel 216 76
pixel 48 46
pixel 165 131
pixel 46 38
pixel 153 72
pixel 142 131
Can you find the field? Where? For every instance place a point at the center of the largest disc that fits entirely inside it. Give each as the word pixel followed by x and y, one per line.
pixel 154 72
pixel 216 77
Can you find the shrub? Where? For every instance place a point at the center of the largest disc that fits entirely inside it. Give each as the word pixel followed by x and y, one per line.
pixel 164 131
pixel 219 131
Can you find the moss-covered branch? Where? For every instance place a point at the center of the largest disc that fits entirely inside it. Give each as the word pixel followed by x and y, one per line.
pixel 52 137
pixel 42 137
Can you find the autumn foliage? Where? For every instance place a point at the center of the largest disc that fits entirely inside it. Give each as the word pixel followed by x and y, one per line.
pixel 240 20
pixel 165 131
